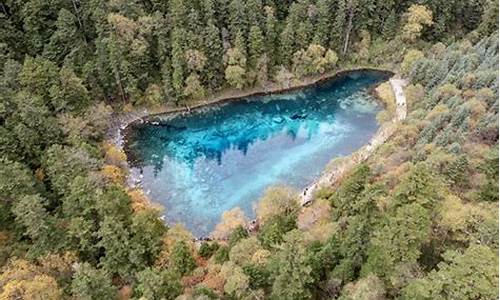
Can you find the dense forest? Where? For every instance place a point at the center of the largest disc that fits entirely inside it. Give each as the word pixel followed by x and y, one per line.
pixel 417 220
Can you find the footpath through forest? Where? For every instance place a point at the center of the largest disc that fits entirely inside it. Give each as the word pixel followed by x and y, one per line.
pixel 345 164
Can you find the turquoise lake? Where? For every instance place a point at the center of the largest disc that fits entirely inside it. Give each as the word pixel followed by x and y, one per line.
pixel 214 159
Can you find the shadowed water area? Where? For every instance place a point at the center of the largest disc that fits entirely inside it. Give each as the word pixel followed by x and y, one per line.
pixel 218 158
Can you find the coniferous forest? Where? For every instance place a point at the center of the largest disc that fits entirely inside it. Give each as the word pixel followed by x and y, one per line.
pixel 417 220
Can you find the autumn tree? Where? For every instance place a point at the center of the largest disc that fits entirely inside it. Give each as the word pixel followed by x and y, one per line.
pixel 23 280
pixel 235 67
pixel 231 220
pixel 314 60
pixel 277 201
pixel 409 59
pixel 418 16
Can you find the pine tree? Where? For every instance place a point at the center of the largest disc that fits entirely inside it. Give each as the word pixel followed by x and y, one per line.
pixel 178 63
pixel 238 19
pixel 254 12
pixel 322 27
pixel 292 274
pixel 255 46
pixel 213 48
pixel 64 39
pixel 271 35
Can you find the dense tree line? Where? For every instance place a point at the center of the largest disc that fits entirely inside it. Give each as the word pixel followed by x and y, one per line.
pixel 418 220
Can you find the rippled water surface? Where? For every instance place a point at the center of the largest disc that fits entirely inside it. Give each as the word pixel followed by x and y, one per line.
pixel 199 166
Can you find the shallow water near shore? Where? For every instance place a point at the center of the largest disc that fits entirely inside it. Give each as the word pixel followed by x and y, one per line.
pixel 215 159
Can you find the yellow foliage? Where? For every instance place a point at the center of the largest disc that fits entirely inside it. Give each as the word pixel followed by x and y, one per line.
pixel 39 287
pixel 417 17
pixel 113 173
pixel 140 201
pixel 277 200
pixel 410 58
pixel 468 80
pixel 407 135
pixel 387 97
pixel 456 216
pixel 236 280
pixel 153 95
pixel 243 251
pixel 174 234
pixel 21 279
pixel 447 91
pixel 477 109
pixel 476 152
pixel 261 257
pixel 437 111
pixel 386 94
pixel 230 220
pixel 129 107
pixel 485 94
pixel 213 279
pixel 58 266
pixel 124 27
pixel 114 155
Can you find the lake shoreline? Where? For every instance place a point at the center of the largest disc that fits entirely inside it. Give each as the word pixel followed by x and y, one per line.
pixel 117 132
pixel 128 120
pixel 332 174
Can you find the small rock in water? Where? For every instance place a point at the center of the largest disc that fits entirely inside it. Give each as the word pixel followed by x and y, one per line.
pixel 278 120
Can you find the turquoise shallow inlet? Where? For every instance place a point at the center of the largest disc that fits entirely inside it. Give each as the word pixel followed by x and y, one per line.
pixel 212 160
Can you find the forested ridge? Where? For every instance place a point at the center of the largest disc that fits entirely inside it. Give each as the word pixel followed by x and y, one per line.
pixel 417 220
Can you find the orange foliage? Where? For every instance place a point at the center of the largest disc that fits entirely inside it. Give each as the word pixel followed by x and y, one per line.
pixel 21 279
pixel 125 293
pixel 230 220
pixel 114 155
pixel 215 282
pixel 39 174
pixel 139 200
pixel 58 266
pixel 191 281
pixel 113 173
pixel 4 237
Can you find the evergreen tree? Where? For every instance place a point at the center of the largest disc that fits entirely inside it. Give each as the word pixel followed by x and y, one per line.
pixel 292 275
pixel 271 35
pixel 322 26
pixel 90 283
pixel 182 261
pixel 255 46
pixel 64 39
pixel 238 19
pixel 158 284
pixel 212 47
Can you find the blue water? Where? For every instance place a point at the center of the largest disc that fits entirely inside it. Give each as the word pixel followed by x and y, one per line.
pixel 213 160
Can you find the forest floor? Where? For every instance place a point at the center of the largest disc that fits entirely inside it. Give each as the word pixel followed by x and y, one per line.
pixel 344 165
